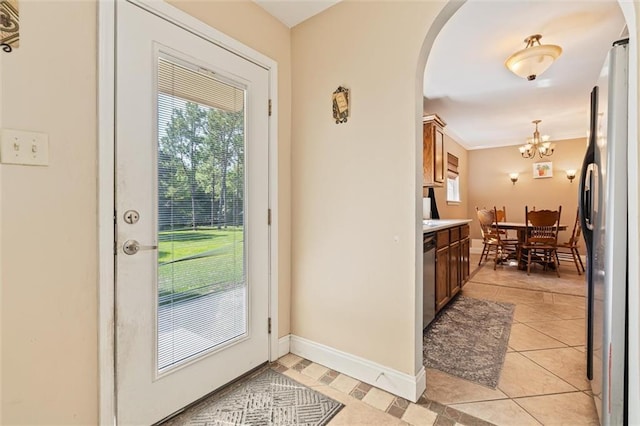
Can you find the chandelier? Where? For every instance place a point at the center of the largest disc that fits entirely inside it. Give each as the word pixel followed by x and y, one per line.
pixel 534 59
pixel 537 145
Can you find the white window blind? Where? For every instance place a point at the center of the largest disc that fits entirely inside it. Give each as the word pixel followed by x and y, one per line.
pixel 202 294
pixel 453 179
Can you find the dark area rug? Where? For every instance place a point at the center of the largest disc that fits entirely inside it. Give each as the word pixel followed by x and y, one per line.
pixel 266 398
pixel 469 339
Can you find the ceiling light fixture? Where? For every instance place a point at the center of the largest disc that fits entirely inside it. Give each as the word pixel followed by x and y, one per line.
pixel 534 59
pixel 537 144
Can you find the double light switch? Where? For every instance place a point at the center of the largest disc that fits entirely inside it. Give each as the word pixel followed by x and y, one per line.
pixel 22 147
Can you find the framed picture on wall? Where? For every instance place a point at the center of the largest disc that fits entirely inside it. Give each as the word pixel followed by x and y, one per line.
pixel 542 170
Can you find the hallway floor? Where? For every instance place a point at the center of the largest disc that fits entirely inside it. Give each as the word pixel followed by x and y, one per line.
pixel 542 382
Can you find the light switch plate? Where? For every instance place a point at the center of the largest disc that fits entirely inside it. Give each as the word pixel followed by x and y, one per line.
pixel 23 147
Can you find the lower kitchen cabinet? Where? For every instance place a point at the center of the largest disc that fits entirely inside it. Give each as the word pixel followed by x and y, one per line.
pixel 452 263
pixel 442 269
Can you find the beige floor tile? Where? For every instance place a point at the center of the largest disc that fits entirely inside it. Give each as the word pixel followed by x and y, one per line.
pixel 522 377
pixel 356 412
pixel 566 363
pixel 419 416
pixel 479 291
pixel 315 371
pixel 301 378
pixel 447 389
pixel 574 408
pixel 344 383
pixel 547 298
pixel 503 412
pixel 289 360
pixel 378 398
pixel 569 283
pixel 517 296
pixel 524 338
pixel 533 312
pixel 570 332
pixel 545 311
pixel 564 299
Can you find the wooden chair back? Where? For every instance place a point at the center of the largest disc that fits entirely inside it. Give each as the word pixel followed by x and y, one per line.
pixel 577 231
pixel 542 226
pixel 501 215
pixel 486 218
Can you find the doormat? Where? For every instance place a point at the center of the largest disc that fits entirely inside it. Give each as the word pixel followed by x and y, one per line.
pixel 266 398
pixel 469 339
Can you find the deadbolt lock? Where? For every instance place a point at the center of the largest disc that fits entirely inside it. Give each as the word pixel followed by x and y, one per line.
pixel 131 216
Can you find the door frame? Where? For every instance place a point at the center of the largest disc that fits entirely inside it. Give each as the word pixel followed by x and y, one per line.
pixel 106 182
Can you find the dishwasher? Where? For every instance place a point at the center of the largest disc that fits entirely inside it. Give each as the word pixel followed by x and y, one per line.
pixel 428 279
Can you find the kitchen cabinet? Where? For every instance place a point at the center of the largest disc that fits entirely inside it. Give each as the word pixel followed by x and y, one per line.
pixel 433 163
pixel 465 246
pixel 452 263
pixel 442 269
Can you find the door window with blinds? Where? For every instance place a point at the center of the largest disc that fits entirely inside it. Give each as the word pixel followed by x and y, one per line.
pixel 202 291
pixel 453 179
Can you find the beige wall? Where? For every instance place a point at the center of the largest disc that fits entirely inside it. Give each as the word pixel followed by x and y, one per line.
pixel 454 210
pixel 354 185
pixel 491 185
pixel 49 215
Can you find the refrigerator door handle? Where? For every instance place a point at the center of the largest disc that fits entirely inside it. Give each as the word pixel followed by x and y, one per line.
pixel 585 204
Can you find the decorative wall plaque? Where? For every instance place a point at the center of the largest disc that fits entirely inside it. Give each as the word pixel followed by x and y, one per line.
pixel 9 36
pixel 341 105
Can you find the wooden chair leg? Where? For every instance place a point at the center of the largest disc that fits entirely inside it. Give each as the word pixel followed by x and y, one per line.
pixel 575 260
pixel 556 261
pixel 529 261
pixel 484 253
pixel 579 259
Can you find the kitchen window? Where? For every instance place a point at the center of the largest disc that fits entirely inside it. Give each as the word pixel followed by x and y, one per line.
pixel 453 180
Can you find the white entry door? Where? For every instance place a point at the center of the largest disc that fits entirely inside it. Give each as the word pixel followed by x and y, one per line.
pixel 191 216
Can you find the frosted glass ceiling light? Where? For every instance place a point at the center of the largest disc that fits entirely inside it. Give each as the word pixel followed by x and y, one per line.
pixel 534 59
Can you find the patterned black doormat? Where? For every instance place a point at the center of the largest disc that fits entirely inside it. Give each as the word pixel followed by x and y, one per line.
pixel 266 398
pixel 469 339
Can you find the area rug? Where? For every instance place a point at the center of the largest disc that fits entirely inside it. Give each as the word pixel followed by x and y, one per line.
pixel 267 398
pixel 469 339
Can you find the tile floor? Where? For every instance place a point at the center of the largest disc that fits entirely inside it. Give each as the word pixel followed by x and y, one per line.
pixel 542 381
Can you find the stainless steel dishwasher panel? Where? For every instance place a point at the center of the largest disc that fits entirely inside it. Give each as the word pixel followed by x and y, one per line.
pixel 428 279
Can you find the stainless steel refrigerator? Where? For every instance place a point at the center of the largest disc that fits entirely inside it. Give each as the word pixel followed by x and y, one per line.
pixel 603 213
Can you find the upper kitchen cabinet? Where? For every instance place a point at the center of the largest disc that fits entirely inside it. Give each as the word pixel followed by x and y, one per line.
pixel 433 151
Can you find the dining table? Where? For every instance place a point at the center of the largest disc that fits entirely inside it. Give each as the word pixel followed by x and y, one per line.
pixel 521 229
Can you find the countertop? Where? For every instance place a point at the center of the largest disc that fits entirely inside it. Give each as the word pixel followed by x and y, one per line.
pixel 439 224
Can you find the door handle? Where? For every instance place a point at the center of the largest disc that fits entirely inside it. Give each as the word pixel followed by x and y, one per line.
pixel 132 247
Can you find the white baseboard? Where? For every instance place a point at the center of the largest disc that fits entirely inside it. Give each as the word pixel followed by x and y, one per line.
pixel 393 381
pixel 284 344
pixel 476 246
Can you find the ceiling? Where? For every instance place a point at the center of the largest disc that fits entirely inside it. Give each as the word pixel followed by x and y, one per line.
pixel 468 86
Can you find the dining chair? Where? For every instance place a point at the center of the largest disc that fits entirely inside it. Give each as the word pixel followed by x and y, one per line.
pixel 569 250
pixel 492 239
pixel 501 216
pixel 541 238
